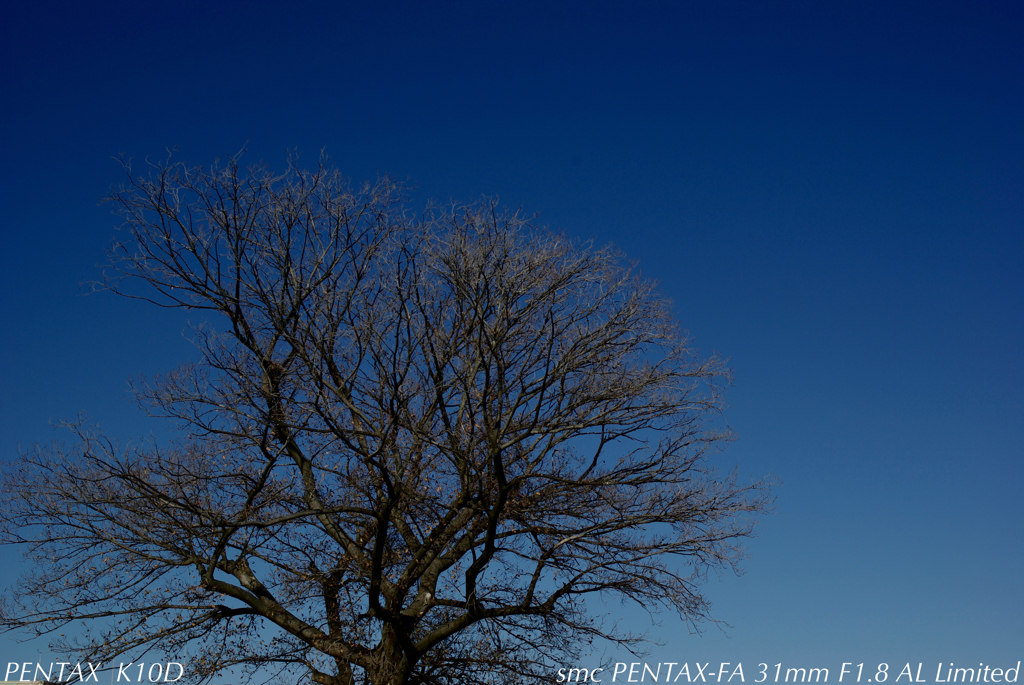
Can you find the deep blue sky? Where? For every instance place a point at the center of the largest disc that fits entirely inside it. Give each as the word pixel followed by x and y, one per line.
pixel 831 193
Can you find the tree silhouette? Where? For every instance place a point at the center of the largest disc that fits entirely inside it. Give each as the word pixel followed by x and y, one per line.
pixel 413 447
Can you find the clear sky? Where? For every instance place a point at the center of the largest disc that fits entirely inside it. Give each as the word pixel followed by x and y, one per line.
pixel 831 193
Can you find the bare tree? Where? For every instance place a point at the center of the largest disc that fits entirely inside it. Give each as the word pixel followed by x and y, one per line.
pixel 412 452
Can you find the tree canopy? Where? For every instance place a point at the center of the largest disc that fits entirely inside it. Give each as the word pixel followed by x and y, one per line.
pixel 413 446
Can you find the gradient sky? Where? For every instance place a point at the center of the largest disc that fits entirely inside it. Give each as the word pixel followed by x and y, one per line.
pixel 831 193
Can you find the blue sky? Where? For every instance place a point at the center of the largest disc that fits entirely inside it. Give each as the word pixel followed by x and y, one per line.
pixel 831 193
